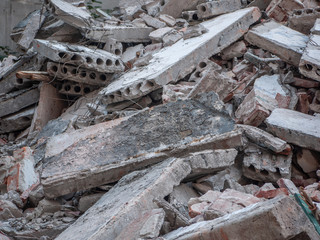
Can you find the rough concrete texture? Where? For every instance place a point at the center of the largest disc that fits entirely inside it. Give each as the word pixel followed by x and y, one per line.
pixel 187 54
pixel 126 202
pixel 282 41
pixel 302 20
pixel 308 160
pixel 214 8
pixel 18 100
pixel 95 59
pixel 175 8
pixel 238 225
pixel 179 123
pixel 209 161
pixel 263 138
pixel 261 165
pixel 309 64
pixel 295 127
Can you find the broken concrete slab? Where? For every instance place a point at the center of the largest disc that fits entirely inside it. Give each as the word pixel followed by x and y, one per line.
pixel 209 161
pixel 95 59
pixel 251 221
pixel 169 20
pixel 71 88
pixel 187 54
pixel 25 32
pixel 18 100
pixel 263 138
pixel 78 74
pixel 308 160
pixel 282 41
pixel 17 121
pixel 302 20
pixel 212 80
pixel 67 171
pixel 126 33
pixel 261 165
pixel 152 22
pixel 309 64
pixel 134 195
pixel 295 127
pixel 74 16
pixel 238 49
pixel 175 8
pixel 158 34
pixel 214 8
pixel 88 201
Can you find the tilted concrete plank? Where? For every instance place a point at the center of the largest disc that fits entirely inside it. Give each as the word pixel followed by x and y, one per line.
pixel 310 61
pixel 263 139
pixel 210 161
pixel 77 74
pixel 175 62
pixel 74 16
pixel 18 121
pixel 19 101
pixel 126 33
pixel 284 217
pixel 295 127
pixel 141 140
pixel 96 59
pixel 214 8
pixel 175 8
pixel 282 41
pixel 127 201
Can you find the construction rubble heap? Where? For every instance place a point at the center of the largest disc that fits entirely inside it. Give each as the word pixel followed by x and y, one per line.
pixel 162 119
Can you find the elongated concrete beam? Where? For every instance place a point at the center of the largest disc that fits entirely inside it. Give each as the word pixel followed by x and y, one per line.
pixel 175 62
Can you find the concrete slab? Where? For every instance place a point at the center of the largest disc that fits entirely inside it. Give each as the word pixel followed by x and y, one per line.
pixel 282 41
pixel 295 127
pixel 15 102
pixel 214 8
pixel 309 64
pixel 302 20
pixel 143 139
pixel 95 59
pixel 77 74
pixel 164 68
pixel 126 202
pixel 261 165
pixel 251 222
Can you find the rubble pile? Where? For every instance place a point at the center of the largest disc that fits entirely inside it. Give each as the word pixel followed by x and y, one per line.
pixel 163 119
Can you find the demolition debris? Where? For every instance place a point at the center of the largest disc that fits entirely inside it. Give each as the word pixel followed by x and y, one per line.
pixel 162 120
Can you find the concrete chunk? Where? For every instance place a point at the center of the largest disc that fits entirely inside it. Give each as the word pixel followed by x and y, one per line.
pixel 149 137
pixel 152 22
pixel 309 64
pixel 214 8
pixel 261 165
pixel 126 202
pixel 175 8
pixel 95 59
pixel 282 41
pixel 263 138
pixel 17 101
pixel 302 20
pixel 177 61
pixel 209 161
pixel 17 121
pixel 158 34
pixel 295 127
pixel 251 221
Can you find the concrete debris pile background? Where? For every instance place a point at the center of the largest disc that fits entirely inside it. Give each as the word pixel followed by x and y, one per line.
pixel 163 119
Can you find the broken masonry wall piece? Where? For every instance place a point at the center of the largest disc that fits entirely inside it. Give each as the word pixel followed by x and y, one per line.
pixel 175 62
